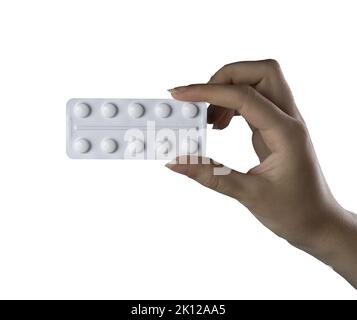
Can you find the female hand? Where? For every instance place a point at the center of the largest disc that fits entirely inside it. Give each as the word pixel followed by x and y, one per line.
pixel 287 191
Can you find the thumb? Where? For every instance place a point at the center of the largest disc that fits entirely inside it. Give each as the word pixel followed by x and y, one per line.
pixel 215 176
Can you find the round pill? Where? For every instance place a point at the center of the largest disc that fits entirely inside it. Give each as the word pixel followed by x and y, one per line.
pixel 136 146
pixel 109 110
pixel 82 145
pixel 163 147
pixel 189 146
pixel 82 110
pixel 109 145
pixel 189 110
pixel 163 110
pixel 136 110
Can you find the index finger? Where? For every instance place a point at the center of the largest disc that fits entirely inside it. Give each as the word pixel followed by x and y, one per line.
pixel 265 76
pixel 255 108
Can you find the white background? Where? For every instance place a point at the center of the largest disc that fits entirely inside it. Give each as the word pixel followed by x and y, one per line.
pixel 133 229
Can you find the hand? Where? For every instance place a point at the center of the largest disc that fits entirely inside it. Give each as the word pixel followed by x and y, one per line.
pixel 287 191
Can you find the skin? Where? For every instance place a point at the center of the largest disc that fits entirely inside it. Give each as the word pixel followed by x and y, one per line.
pixel 287 191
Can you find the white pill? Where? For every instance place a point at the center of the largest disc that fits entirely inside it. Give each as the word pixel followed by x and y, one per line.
pixel 189 146
pixel 189 110
pixel 109 145
pixel 136 146
pixel 163 147
pixel 82 145
pixel 163 110
pixel 109 110
pixel 136 110
pixel 82 110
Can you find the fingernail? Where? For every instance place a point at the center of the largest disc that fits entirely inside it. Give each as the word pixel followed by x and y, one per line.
pixel 182 169
pixel 177 89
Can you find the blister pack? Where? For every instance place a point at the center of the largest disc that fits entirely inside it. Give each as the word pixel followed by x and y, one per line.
pixel 135 128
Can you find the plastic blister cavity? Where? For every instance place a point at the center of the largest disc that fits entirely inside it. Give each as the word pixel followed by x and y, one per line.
pixel 135 128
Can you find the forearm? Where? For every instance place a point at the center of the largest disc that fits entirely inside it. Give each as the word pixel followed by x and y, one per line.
pixel 336 244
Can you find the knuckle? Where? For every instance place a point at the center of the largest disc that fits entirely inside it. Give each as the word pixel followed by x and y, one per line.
pixel 226 68
pixel 299 127
pixel 272 63
pixel 272 66
pixel 213 78
pixel 224 72
pixel 219 74
pixel 296 131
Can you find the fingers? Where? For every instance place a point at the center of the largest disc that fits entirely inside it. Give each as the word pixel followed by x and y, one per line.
pixel 259 146
pixel 248 72
pixel 220 117
pixel 265 76
pixel 216 176
pixel 256 109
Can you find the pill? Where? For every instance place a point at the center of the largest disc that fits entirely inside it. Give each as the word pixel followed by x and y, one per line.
pixel 82 145
pixel 135 146
pixel 163 147
pixel 163 110
pixel 109 110
pixel 82 110
pixel 189 110
pixel 189 146
pixel 136 110
pixel 109 145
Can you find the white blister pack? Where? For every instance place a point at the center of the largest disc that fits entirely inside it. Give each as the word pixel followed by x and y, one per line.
pixel 135 128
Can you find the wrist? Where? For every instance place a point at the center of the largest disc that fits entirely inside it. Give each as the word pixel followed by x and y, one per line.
pixel 335 242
